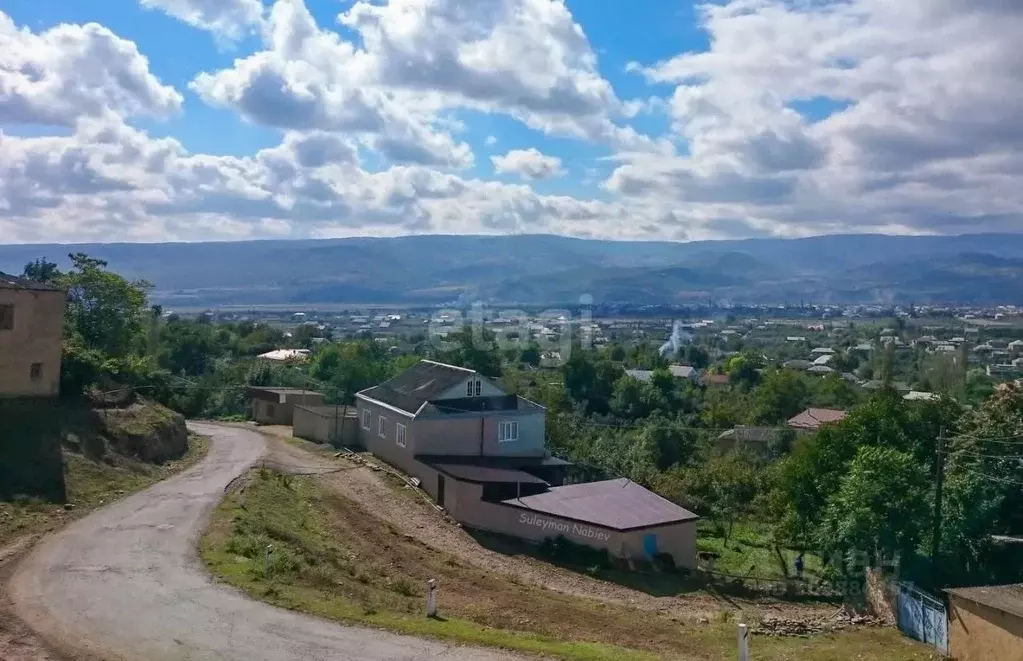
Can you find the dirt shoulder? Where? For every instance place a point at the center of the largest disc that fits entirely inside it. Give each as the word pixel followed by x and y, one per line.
pixel 90 485
pixel 407 510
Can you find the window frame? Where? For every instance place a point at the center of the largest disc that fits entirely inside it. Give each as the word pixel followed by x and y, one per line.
pixel 382 426
pixel 7 319
pixel 399 435
pixel 35 372
pixel 367 419
pixel 504 429
pixel 479 387
pixel 468 388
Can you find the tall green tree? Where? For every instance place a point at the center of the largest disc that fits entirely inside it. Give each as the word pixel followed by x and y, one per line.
pixel 881 505
pixel 42 270
pixel 105 311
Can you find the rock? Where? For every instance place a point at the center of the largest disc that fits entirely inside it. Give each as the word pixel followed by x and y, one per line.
pixel 148 431
pixel 69 506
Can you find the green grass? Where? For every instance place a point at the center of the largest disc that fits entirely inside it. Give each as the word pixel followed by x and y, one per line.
pixel 749 552
pixel 90 484
pixel 333 559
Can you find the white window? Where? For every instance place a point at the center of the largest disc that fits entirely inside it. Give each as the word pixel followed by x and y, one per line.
pixel 479 387
pixel 468 388
pixel 508 431
pixel 381 426
pixel 473 388
pixel 367 419
pixel 399 434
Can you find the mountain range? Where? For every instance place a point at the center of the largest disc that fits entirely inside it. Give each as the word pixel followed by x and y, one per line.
pixel 543 269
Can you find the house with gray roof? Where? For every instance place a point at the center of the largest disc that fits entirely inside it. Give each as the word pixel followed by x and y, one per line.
pixel 479 453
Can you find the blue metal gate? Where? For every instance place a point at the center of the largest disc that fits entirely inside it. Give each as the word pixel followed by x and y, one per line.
pixel 923 617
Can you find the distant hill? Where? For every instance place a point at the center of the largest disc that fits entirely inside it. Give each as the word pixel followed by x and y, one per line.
pixel 541 269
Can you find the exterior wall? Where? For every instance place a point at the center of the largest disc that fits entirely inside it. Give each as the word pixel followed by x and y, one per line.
pixel 271 413
pixel 304 399
pixel 980 633
pixel 461 434
pixel 35 338
pixel 320 426
pixel 487 389
pixel 312 426
pixel 678 540
pixel 385 446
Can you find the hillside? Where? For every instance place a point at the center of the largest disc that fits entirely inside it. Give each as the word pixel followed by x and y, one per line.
pixel 983 268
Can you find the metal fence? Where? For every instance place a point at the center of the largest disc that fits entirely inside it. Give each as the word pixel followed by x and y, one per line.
pixel 923 617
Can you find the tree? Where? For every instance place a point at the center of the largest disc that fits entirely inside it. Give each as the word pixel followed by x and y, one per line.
pixel 106 311
pixel 189 347
pixel 42 270
pixel 881 505
pixel 476 349
pixel 781 395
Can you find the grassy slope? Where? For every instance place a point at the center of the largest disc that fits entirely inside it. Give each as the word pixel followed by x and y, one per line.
pixel 90 484
pixel 748 553
pixel 332 558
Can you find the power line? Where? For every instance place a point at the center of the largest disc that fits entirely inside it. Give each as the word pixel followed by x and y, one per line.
pixel 995 479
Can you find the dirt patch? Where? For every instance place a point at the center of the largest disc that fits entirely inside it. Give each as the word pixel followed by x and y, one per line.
pixel 410 513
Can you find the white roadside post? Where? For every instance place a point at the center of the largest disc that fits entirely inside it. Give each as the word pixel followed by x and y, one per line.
pixel 743 642
pixel 431 598
pixel 266 560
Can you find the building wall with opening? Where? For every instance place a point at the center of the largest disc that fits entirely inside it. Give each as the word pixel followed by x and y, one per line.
pixel 31 323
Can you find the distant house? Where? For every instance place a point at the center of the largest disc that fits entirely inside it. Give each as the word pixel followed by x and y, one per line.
pixel 920 396
pixel 823 359
pixel 286 355
pixel 480 454
pixel 753 439
pixel 643 376
pixel 795 338
pixel 683 371
pixel 1016 346
pixel 715 379
pixel 864 347
pixel 822 351
pixel 811 419
pixel 819 369
pixel 986 623
pixel 31 323
pixel 797 364
pixel 276 406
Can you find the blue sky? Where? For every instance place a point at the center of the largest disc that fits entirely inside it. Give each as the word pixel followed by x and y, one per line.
pixel 177 53
pixel 192 119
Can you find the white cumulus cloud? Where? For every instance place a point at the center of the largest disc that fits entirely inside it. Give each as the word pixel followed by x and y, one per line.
pixel 528 163
pixel 70 71
pixel 227 19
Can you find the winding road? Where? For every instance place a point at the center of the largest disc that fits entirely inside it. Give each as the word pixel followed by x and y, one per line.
pixel 126 583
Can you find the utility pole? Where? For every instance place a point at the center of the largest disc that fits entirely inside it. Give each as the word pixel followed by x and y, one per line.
pixel 939 483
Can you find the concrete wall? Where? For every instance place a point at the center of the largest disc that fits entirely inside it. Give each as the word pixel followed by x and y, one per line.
pixel 385 446
pixel 271 413
pixel 467 507
pixel 460 434
pixel 324 426
pixel 35 338
pixel 980 633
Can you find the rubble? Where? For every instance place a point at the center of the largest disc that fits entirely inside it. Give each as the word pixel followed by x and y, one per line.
pixel 778 626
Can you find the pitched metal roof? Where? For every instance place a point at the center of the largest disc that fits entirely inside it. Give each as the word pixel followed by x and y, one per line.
pixel 814 418
pixel 8 281
pixel 616 504
pixel 1006 598
pixel 417 385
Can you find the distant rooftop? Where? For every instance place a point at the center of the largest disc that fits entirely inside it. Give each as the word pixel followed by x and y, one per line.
pixel 16 282
pixel 813 418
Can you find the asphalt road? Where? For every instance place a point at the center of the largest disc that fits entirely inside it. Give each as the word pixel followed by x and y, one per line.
pixel 126 583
